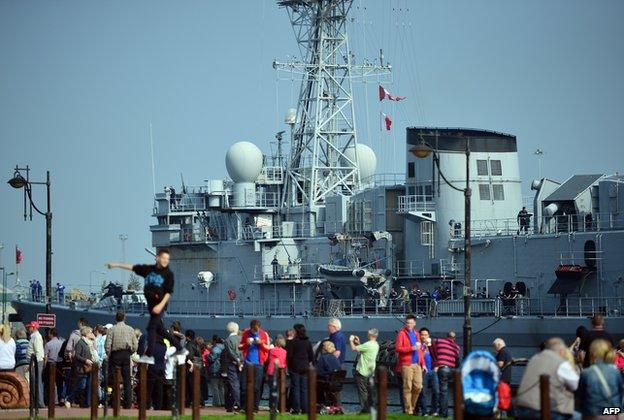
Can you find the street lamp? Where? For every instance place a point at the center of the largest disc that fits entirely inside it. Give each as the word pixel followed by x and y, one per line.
pixel 4 291
pixel 18 181
pixel 422 150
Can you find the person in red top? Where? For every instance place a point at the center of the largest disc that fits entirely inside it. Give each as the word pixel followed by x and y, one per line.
pixel 276 354
pixel 410 363
pixel 255 348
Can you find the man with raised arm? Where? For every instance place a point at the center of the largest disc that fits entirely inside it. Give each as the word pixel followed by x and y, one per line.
pixel 158 289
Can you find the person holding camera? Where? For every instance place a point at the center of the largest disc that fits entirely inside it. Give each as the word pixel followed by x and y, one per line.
pixel 255 347
pixel 365 368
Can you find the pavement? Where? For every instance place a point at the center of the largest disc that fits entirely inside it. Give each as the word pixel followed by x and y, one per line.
pixel 62 412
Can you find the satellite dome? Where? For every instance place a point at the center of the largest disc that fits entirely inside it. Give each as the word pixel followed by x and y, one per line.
pixel 366 160
pixel 243 162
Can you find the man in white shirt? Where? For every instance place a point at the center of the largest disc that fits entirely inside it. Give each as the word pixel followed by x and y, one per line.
pixel 35 347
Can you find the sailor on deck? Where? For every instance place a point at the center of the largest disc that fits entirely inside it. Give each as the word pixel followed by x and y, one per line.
pixel 524 219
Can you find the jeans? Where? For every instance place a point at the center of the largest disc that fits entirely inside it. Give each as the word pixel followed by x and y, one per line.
pixel 215 388
pixel 81 383
pixel 232 387
pixel 445 375
pixel 364 386
pixel 258 379
pixel 156 331
pixel 39 379
pixel 429 394
pixel 525 413
pixel 121 359
pixel 299 391
pixel 155 386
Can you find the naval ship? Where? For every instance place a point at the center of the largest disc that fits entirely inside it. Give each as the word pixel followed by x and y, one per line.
pixel 313 231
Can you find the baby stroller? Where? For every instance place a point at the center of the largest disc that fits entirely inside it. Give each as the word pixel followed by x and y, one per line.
pixel 480 376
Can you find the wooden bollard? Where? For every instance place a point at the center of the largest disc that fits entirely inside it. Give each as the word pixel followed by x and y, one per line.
pixel 181 389
pixel 312 393
pixel 282 390
pixel 458 396
pixel 95 395
pixel 249 391
pixel 382 392
pixel 196 389
pixel 51 389
pixel 545 397
pixel 142 391
pixel 116 391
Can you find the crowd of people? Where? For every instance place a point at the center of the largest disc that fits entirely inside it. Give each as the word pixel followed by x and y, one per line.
pixel 585 376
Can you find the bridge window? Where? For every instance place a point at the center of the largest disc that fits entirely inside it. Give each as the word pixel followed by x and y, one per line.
pixel 410 169
pixel 496 168
pixel 484 192
pixel 498 192
pixel 482 167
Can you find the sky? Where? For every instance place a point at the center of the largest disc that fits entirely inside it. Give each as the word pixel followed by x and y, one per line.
pixel 81 81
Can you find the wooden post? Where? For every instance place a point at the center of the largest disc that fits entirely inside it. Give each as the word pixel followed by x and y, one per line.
pixel 382 392
pixel 196 389
pixel 142 397
pixel 282 390
pixel 545 397
pixel 312 393
pixel 95 395
pixel 249 392
pixel 181 389
pixel 459 396
pixel 116 391
pixel 51 389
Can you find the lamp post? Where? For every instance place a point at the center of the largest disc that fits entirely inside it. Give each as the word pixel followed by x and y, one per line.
pixel 4 300
pixel 123 238
pixel 18 181
pixel 423 150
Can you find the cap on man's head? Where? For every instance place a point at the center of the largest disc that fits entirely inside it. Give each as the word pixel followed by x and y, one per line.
pixel 33 324
pixel 108 326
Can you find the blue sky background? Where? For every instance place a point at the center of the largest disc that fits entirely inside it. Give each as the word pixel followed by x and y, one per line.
pixel 81 80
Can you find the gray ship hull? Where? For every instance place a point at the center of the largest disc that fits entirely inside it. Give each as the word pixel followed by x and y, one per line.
pixel 525 332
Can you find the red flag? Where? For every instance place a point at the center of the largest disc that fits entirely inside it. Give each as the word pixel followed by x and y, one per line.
pixel 18 255
pixel 387 121
pixel 384 94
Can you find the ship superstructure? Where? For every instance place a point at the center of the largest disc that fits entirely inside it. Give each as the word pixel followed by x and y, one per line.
pixel 311 231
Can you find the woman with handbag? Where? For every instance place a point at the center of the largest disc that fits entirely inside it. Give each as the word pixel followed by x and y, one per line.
pixel 83 365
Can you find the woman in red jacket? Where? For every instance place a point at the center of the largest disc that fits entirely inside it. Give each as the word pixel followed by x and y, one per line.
pixel 410 363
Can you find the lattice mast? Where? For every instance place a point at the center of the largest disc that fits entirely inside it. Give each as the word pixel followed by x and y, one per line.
pixel 325 124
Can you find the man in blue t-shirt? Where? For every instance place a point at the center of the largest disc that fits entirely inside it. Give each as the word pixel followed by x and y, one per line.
pixel 431 386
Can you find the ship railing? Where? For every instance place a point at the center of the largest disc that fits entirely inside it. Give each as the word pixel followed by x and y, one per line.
pixel 363 307
pixel 546 225
pixel 411 268
pixel 580 257
pixel 187 202
pixel 408 203
pixel 271 175
pixel 384 179
pixel 285 272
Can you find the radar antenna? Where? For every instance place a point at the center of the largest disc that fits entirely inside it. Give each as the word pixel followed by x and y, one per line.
pixel 325 124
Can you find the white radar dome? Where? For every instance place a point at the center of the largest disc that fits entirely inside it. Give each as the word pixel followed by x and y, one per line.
pixel 243 162
pixel 366 160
